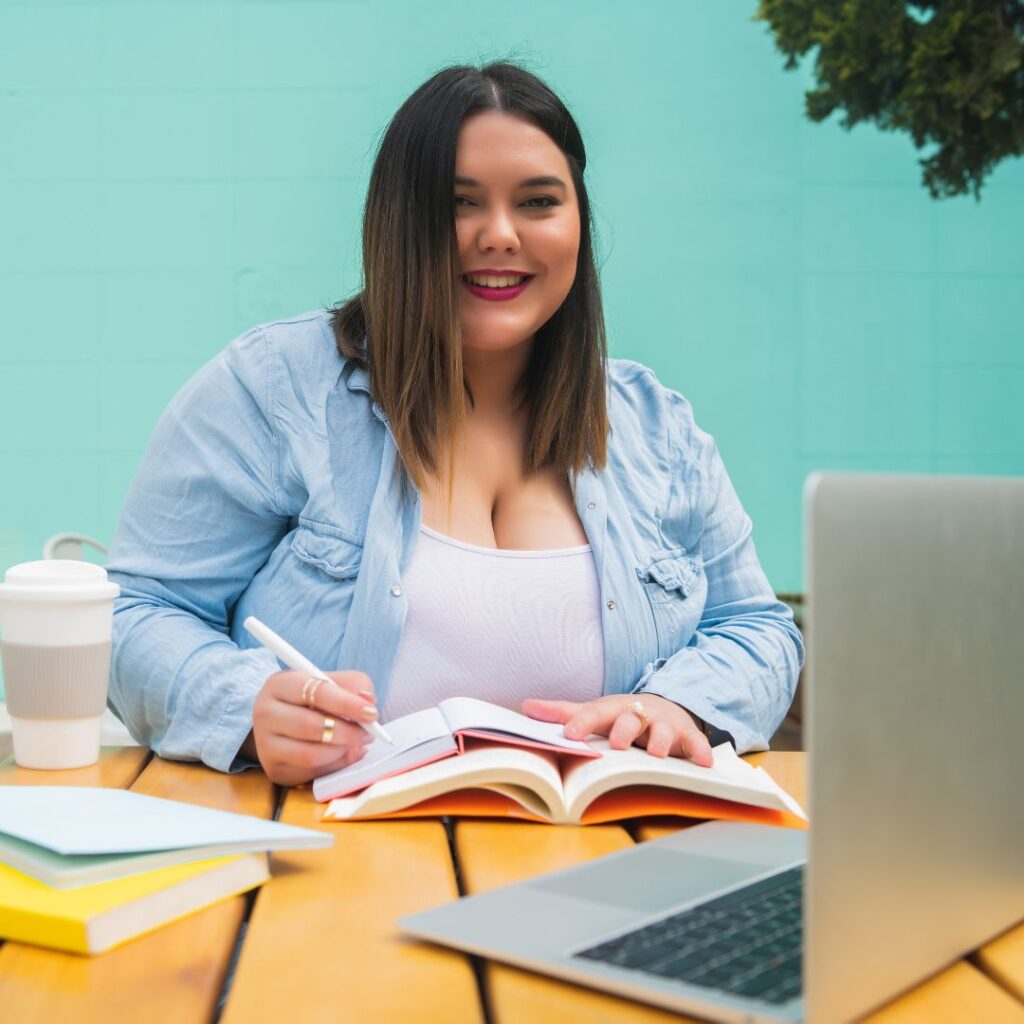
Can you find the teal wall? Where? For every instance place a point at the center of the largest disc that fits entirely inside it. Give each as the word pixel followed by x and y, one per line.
pixel 173 173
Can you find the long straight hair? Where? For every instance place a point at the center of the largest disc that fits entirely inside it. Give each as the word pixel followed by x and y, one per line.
pixel 404 326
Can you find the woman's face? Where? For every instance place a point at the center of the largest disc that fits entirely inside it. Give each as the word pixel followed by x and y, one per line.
pixel 504 224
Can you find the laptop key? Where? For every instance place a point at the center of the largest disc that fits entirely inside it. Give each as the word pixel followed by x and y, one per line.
pixel 679 966
pixel 748 942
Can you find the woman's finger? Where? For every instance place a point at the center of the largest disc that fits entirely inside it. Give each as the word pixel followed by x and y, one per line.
pixel 338 700
pixel 332 699
pixel 695 746
pixel 660 738
pixel 309 725
pixel 290 761
pixel 626 728
pixel 595 716
pixel 355 682
pixel 550 710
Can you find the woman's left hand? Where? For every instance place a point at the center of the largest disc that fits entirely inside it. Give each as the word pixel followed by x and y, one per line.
pixel 670 729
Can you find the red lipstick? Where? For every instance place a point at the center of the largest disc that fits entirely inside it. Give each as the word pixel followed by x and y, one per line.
pixel 497 294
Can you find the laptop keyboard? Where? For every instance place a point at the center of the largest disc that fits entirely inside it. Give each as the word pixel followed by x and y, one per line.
pixel 748 943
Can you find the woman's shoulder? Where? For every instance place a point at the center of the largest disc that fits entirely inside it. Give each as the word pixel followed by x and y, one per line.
pixel 277 361
pixel 303 343
pixel 290 363
pixel 642 405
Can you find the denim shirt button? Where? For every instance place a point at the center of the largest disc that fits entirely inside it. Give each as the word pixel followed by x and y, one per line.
pixel 591 504
pixel 611 606
pixel 396 591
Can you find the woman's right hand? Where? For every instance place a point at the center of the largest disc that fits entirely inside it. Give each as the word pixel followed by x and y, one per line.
pixel 288 734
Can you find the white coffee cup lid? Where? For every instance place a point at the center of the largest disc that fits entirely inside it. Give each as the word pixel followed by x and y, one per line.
pixel 57 579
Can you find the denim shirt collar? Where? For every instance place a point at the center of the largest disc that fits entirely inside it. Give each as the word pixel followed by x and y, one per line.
pixel 359 380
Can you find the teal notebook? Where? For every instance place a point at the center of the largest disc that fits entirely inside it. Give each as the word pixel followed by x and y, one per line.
pixel 68 836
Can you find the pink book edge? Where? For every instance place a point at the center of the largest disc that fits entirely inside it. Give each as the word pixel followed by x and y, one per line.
pixel 505 739
pixel 387 775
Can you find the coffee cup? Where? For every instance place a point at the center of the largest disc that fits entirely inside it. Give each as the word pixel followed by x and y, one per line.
pixel 55 628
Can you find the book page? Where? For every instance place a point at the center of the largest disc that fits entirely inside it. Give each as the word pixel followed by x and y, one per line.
pixel 730 778
pixel 419 737
pixel 480 768
pixel 468 713
pixel 80 820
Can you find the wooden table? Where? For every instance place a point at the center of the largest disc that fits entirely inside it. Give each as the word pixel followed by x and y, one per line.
pixel 319 943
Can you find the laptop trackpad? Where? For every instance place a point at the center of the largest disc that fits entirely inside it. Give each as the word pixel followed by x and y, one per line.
pixel 650 879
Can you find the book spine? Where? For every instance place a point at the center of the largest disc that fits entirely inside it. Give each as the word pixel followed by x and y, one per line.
pixel 37 929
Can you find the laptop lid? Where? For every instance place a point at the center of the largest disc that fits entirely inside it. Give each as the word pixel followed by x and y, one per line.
pixel 915 626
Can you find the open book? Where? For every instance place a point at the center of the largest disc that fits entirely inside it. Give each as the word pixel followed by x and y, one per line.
pixel 427 736
pixel 493 780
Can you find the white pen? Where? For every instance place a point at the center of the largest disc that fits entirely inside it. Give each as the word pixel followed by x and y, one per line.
pixel 293 659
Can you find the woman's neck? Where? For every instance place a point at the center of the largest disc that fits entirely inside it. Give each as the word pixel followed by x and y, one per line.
pixel 493 376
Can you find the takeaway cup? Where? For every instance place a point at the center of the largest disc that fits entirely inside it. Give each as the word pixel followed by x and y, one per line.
pixel 55 626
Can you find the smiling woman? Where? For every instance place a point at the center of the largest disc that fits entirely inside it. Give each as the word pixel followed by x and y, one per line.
pixel 472 155
pixel 444 487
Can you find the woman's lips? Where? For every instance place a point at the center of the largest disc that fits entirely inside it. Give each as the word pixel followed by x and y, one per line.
pixel 496 294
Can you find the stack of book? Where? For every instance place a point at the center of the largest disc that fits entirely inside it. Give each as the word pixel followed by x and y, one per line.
pixel 469 757
pixel 85 869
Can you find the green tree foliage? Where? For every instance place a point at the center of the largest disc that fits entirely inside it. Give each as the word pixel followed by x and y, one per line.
pixel 949 72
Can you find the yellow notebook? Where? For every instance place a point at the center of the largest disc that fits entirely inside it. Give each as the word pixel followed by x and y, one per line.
pixel 95 918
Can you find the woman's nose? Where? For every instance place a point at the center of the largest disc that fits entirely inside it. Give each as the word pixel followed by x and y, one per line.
pixel 498 232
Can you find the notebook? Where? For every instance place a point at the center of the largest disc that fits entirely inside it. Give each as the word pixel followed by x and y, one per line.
pixel 67 836
pixel 95 918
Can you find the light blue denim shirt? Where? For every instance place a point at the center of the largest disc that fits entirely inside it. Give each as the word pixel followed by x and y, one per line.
pixel 271 488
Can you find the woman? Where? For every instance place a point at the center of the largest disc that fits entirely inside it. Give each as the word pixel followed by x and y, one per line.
pixel 443 487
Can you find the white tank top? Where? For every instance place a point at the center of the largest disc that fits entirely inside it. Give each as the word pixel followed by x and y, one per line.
pixel 500 625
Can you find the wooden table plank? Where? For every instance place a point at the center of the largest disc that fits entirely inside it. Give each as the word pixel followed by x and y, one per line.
pixel 174 974
pixel 248 792
pixel 960 993
pixel 118 768
pixel 324 929
pixel 493 853
pixel 1003 961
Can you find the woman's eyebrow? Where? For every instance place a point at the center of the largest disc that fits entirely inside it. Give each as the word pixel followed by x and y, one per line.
pixel 544 179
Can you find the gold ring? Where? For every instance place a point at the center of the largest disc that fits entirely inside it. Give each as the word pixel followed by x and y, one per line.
pixel 328 733
pixel 638 709
pixel 309 690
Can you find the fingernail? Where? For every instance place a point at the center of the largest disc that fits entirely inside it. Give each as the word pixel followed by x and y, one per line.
pixel 368 714
pixel 368 694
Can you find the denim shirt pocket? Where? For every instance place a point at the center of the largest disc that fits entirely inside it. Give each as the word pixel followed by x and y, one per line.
pixel 328 549
pixel 675 585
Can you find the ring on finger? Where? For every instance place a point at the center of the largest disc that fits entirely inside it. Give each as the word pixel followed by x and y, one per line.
pixel 641 712
pixel 328 733
pixel 309 689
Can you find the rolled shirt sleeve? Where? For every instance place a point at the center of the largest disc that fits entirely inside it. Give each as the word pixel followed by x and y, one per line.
pixel 200 519
pixel 739 670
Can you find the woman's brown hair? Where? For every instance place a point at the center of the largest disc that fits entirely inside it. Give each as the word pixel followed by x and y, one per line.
pixel 403 327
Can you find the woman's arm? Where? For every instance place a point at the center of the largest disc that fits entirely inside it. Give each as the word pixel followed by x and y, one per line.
pixel 735 678
pixel 739 670
pixel 200 519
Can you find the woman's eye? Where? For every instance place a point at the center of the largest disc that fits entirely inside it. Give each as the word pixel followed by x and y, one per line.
pixel 547 202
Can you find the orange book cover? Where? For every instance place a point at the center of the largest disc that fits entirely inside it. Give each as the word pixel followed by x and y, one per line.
pixel 503 782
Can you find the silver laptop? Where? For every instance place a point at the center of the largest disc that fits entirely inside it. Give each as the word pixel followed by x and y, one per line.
pixel 915 624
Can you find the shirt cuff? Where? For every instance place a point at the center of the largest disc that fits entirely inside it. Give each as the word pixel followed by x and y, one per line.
pixel 222 747
pixel 720 727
